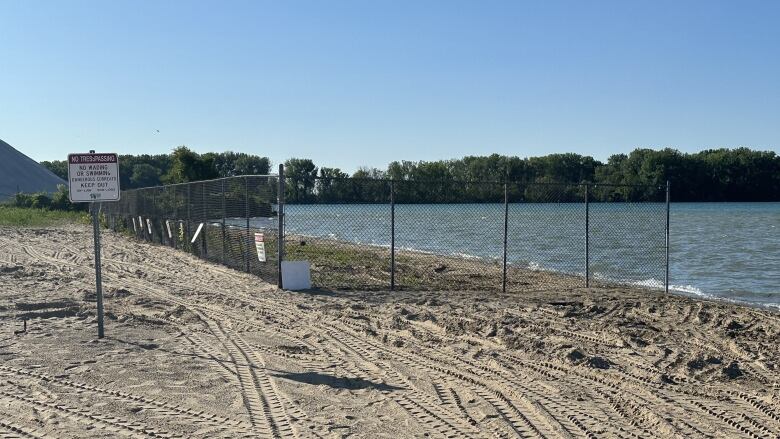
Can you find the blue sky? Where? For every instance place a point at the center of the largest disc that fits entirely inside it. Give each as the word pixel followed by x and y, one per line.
pixel 351 83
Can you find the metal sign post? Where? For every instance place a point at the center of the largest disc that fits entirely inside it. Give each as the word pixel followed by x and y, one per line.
pixel 94 178
pixel 95 208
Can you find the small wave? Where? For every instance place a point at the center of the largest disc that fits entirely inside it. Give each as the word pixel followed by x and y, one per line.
pixel 414 250
pixel 694 291
pixel 466 256
pixel 659 285
pixel 690 289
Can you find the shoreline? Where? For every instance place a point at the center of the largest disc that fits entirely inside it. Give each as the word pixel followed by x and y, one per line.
pixel 520 278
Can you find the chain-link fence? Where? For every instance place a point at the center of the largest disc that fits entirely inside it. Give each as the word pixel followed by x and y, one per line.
pixel 220 220
pixel 383 234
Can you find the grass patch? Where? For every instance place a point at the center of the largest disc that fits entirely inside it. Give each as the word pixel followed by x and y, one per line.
pixel 28 217
pixel 343 265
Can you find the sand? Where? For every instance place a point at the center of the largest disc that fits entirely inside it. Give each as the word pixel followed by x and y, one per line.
pixel 194 349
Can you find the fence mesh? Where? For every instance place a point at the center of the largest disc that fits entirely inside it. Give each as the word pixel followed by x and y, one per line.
pixel 342 227
pixel 217 220
pixel 382 234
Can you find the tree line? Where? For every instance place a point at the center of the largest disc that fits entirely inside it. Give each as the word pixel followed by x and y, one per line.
pixel 738 174
pixel 180 166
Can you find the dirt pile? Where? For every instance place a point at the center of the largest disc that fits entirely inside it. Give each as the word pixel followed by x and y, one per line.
pixel 19 173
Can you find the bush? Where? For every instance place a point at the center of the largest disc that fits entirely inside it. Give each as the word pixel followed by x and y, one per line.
pixel 60 200
pixel 40 200
pixel 57 201
pixel 22 200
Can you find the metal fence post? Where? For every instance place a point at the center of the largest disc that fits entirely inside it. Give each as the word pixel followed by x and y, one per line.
pixel 506 230
pixel 189 215
pixel 587 238
pixel 280 231
pixel 224 240
pixel 205 230
pixel 152 213
pixel 175 240
pixel 666 276
pixel 249 239
pixel 147 215
pixel 392 235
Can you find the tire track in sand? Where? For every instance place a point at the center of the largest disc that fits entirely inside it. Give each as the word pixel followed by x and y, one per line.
pixel 111 424
pixel 12 431
pixel 163 408
pixel 265 409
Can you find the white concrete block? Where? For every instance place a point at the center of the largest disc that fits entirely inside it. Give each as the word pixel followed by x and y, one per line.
pixel 296 275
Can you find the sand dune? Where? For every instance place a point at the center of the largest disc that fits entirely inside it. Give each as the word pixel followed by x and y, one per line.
pixel 198 350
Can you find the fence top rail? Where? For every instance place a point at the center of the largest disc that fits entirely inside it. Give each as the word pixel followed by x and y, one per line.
pixel 390 180
pixel 495 182
pixel 233 177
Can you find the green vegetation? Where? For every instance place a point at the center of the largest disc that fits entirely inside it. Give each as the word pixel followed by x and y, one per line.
pixel 180 166
pixel 713 175
pixel 28 217
pixel 43 200
pixel 41 209
pixel 342 265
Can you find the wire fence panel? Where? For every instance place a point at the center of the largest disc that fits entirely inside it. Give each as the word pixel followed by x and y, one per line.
pixel 263 226
pixel 545 236
pixel 341 226
pixel 627 238
pixel 223 220
pixel 424 235
pixel 445 243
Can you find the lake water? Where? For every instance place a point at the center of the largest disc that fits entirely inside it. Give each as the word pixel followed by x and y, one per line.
pixel 725 250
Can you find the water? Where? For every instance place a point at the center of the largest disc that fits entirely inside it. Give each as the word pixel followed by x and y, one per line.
pixel 728 250
pixel 724 250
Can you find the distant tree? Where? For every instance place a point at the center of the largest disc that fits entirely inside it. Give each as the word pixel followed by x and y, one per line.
pixel 145 175
pixel 127 164
pixel 252 165
pixel 187 165
pixel 57 167
pixel 332 186
pixel 229 163
pixel 302 174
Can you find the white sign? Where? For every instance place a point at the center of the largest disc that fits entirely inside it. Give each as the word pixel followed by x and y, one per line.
pixel 260 244
pixel 93 177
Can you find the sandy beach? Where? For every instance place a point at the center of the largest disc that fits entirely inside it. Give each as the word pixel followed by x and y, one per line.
pixel 194 349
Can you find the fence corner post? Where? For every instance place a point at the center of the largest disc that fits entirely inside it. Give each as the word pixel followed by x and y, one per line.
pixel 392 235
pixel 587 237
pixel 280 229
pixel 249 239
pixel 506 232
pixel 189 218
pixel 224 214
pixel 666 275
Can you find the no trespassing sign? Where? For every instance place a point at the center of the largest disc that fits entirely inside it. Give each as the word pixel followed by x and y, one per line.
pixel 93 177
